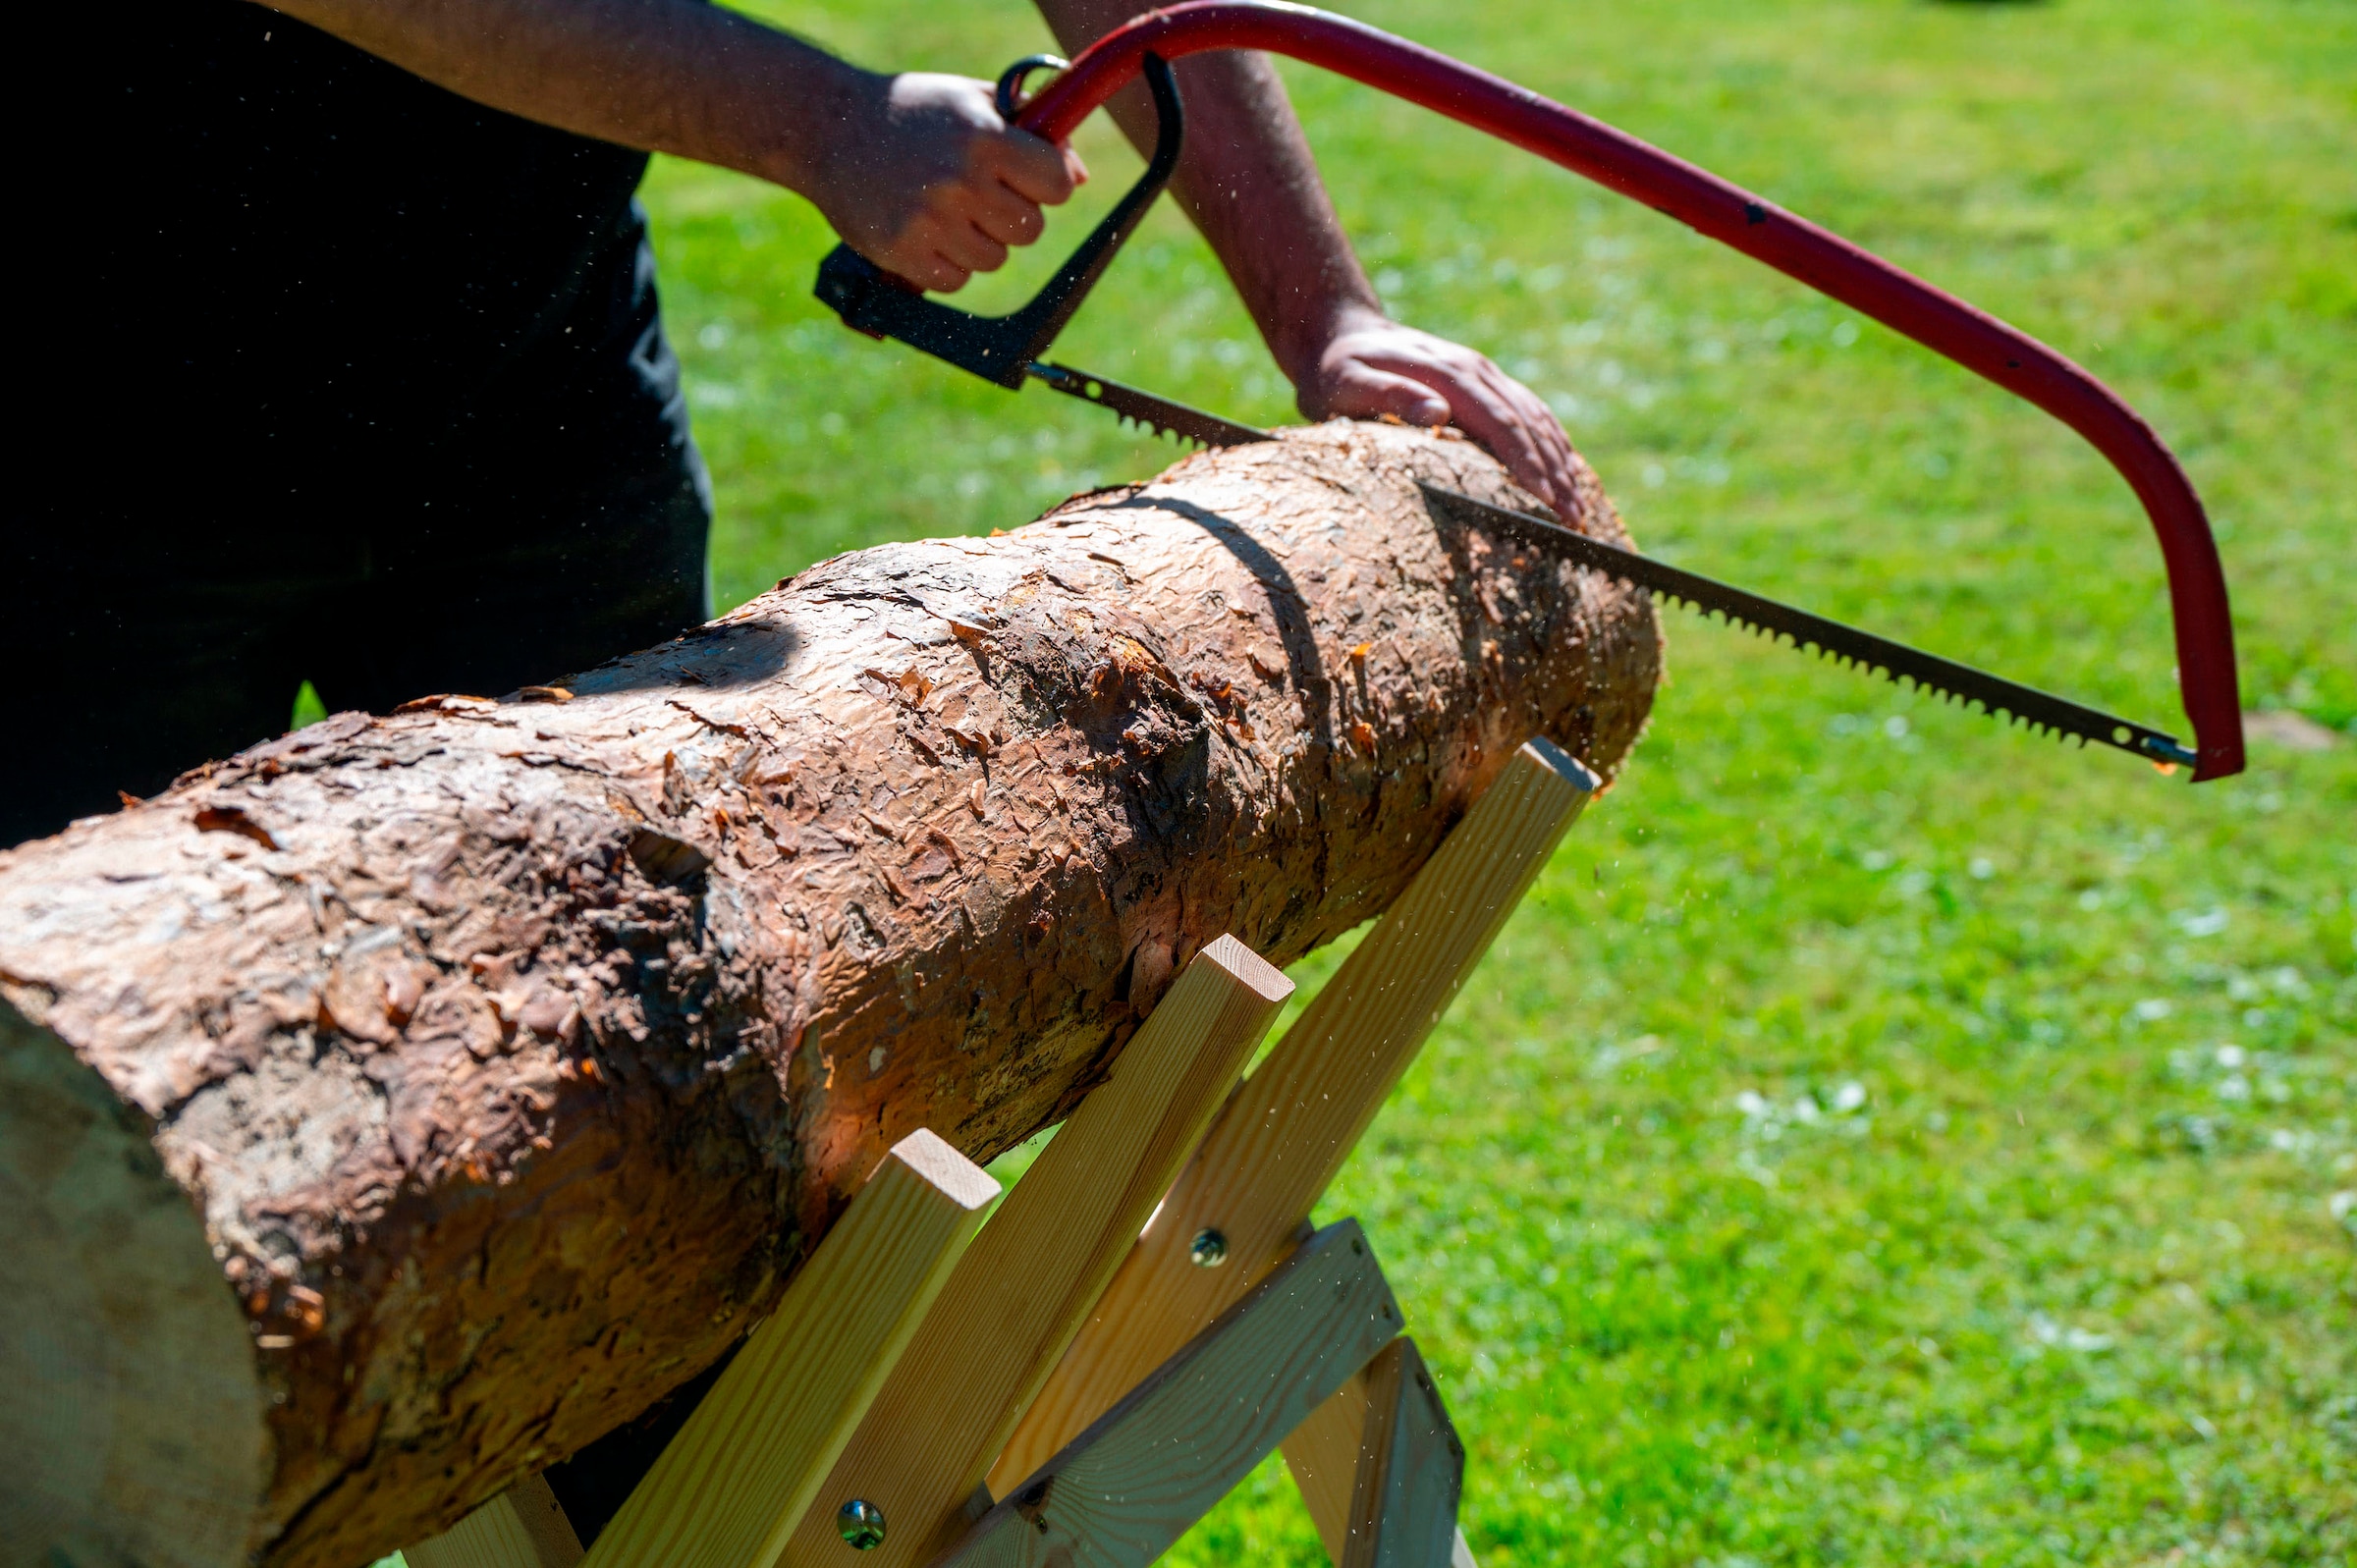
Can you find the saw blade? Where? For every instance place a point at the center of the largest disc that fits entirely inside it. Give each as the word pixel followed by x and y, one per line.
pixel 1161 414
pixel 1895 661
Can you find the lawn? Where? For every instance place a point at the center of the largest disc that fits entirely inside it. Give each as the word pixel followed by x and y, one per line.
pixel 1882 1137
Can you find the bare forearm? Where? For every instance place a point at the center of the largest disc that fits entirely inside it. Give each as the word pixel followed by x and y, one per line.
pixel 919 174
pixel 667 76
pixel 1248 182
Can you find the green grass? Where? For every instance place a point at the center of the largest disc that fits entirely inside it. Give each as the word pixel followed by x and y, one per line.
pixel 1882 1137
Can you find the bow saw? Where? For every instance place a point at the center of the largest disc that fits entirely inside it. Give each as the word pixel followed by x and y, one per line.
pixel 1011 350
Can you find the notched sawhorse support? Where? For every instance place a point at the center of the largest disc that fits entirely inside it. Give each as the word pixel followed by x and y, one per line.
pixel 1058 1332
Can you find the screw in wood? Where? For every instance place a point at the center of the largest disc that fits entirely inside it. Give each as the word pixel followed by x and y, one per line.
pixel 860 1524
pixel 1209 1249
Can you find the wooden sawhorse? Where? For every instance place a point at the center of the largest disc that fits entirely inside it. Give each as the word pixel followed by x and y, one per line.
pixel 1141 1321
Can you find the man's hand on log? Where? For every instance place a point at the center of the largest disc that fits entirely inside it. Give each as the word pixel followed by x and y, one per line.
pixel 932 184
pixel 1249 182
pixel 1374 367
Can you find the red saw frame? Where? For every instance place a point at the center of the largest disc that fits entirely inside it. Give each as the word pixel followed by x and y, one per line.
pixel 1761 230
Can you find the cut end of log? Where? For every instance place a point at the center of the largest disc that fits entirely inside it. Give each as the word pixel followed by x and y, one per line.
pixel 133 1420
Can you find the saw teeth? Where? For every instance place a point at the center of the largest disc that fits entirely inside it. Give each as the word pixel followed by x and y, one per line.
pixel 1957 685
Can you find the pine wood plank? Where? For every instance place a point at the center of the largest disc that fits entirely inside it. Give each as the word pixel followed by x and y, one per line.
pixel 1125 1488
pixel 520 1528
pixel 729 1488
pixel 1322 1455
pixel 1411 1468
pixel 1027 1283
pixel 1289 1127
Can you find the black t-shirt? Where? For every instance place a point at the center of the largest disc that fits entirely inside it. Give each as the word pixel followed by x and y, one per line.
pixel 285 280
pixel 335 377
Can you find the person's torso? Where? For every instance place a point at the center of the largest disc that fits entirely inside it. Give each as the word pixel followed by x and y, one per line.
pixel 275 240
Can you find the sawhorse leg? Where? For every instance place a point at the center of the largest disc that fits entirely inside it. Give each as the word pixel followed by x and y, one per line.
pixel 1241 1201
pixel 520 1528
pixel 726 1489
pixel 1409 1469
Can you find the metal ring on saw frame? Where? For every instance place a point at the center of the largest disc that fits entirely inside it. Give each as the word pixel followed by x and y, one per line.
pixel 1008 95
pixel 1734 216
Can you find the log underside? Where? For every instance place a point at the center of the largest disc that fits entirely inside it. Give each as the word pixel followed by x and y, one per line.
pixel 474 1075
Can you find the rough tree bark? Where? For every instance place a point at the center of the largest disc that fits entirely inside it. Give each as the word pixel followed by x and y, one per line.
pixel 399 1105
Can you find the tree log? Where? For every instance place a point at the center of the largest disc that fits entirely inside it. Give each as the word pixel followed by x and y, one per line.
pixel 400 1105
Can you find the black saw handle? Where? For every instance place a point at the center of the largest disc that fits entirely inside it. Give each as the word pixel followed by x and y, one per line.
pixel 1002 348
